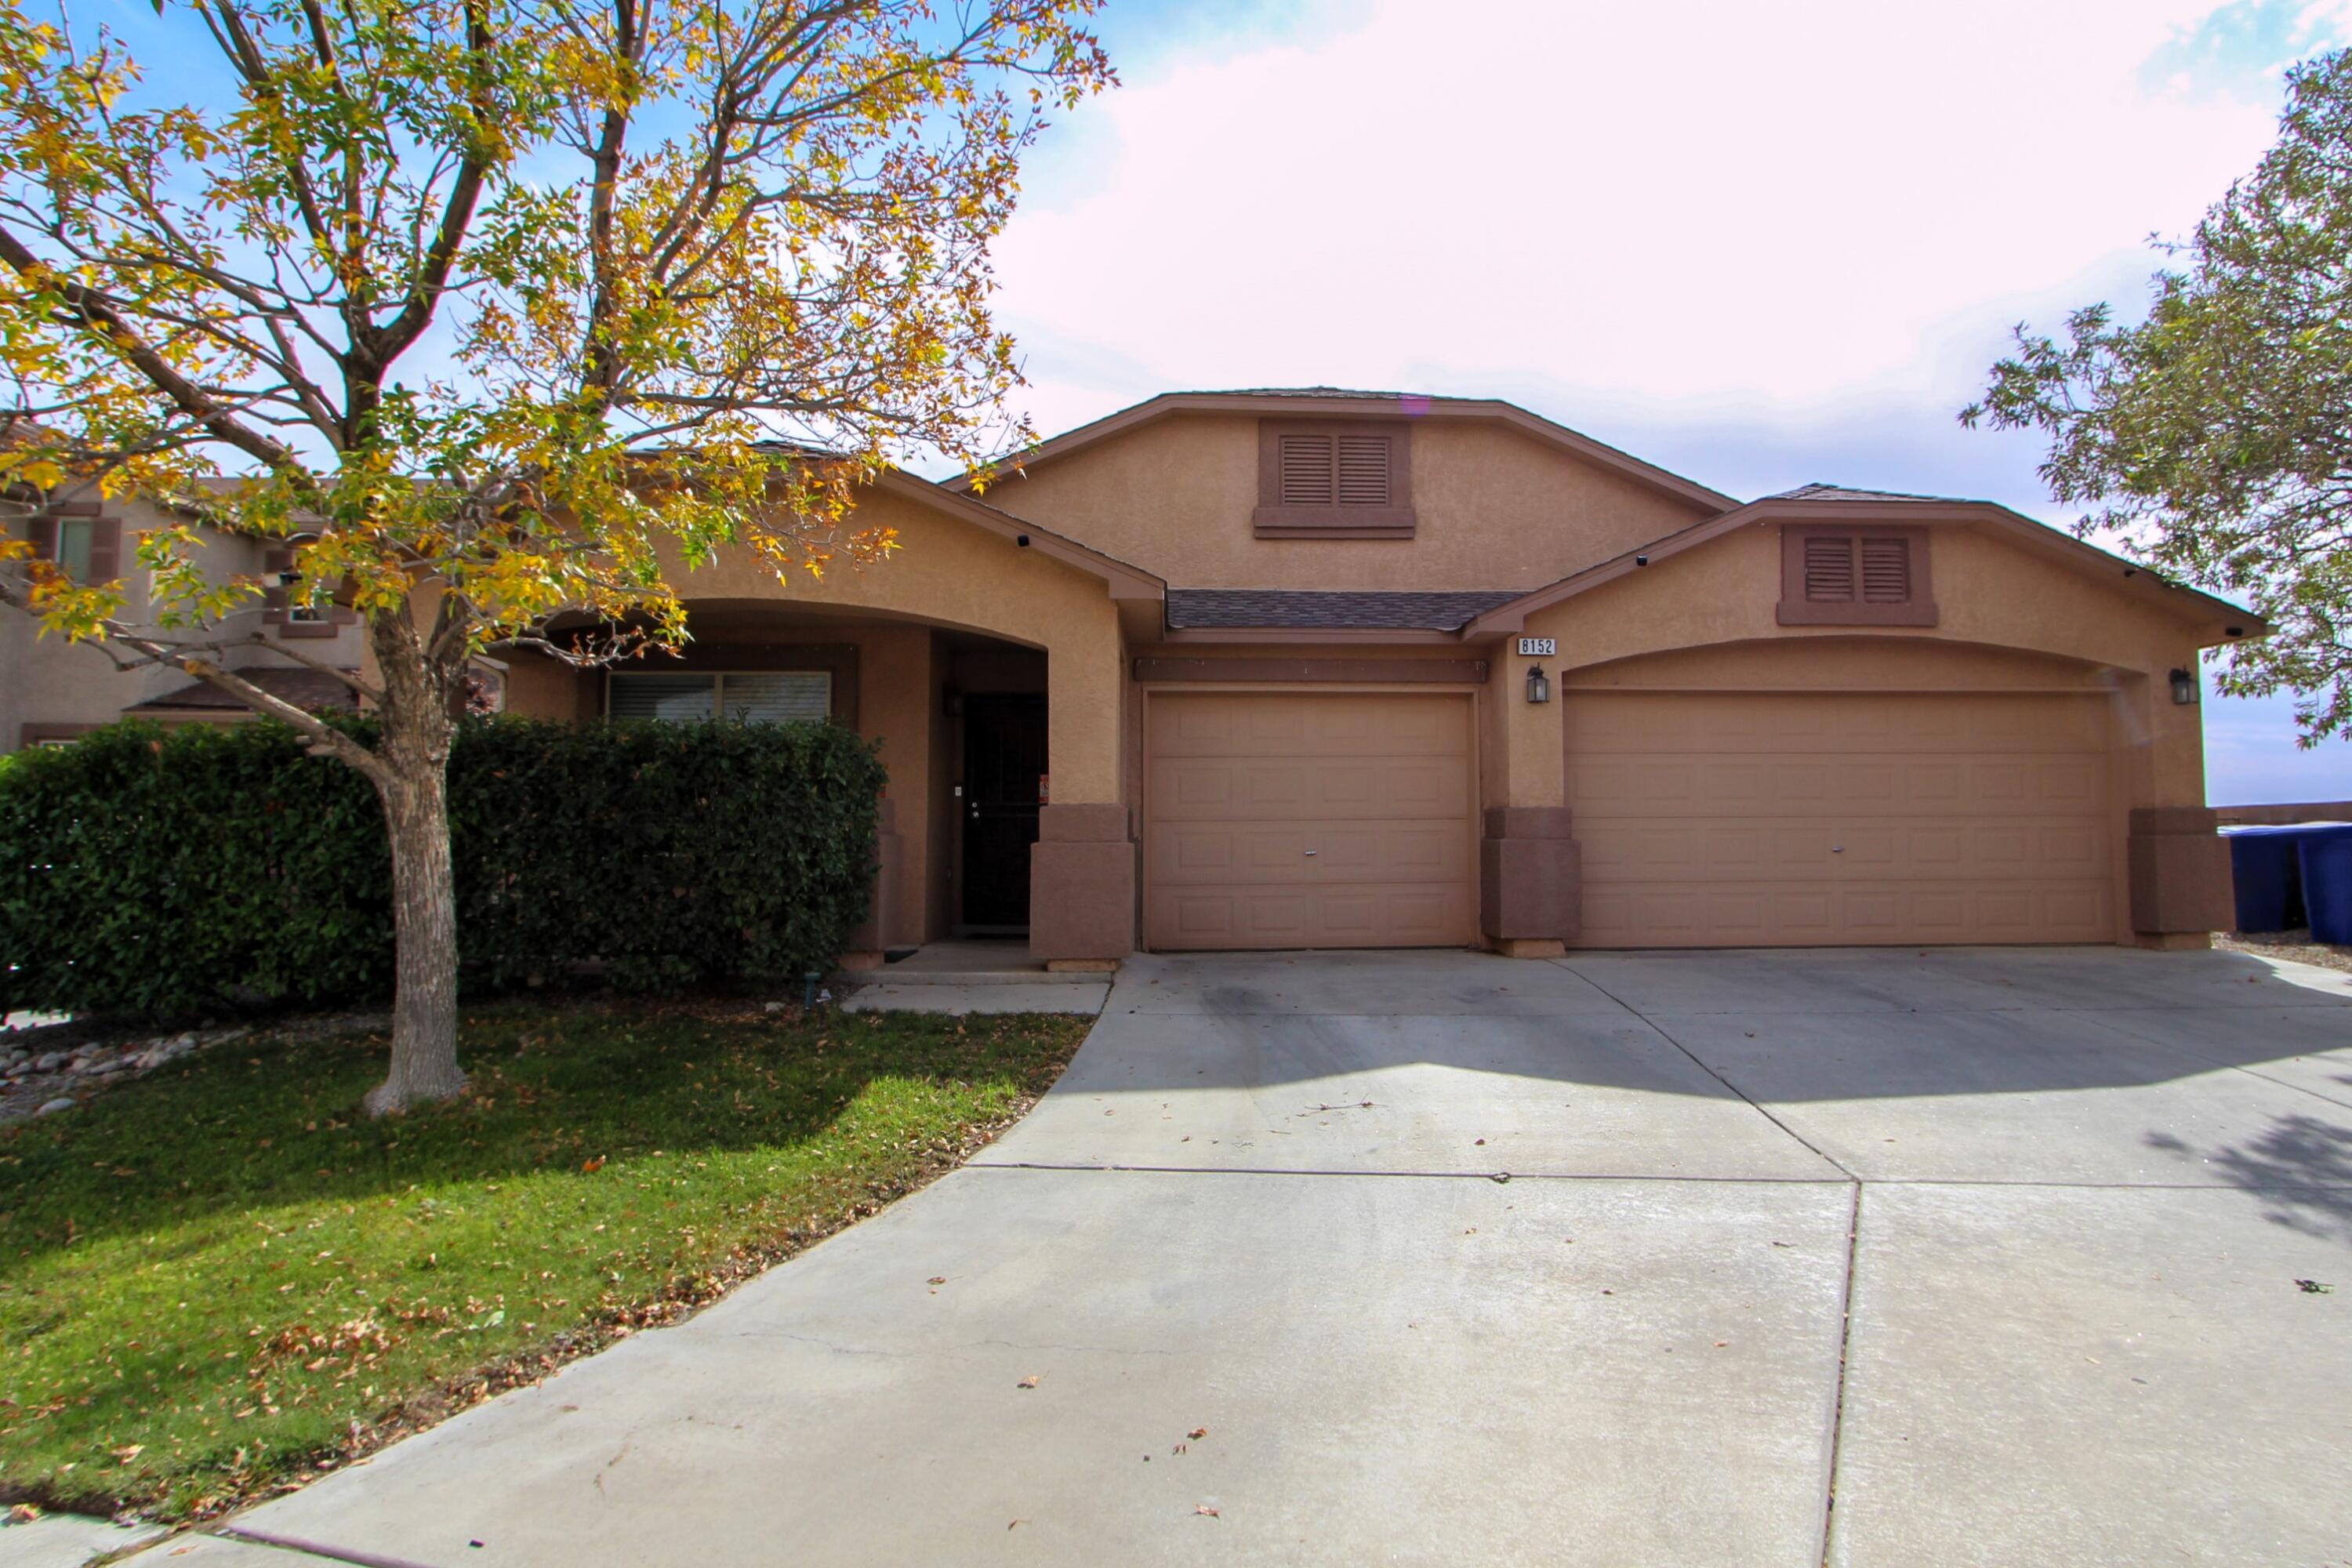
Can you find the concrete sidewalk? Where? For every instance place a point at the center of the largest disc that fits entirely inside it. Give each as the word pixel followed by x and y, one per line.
pixel 1438 1259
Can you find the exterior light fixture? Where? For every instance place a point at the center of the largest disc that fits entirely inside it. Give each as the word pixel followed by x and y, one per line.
pixel 1538 684
pixel 2184 687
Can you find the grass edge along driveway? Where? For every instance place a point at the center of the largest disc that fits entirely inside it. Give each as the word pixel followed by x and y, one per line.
pixel 221 1281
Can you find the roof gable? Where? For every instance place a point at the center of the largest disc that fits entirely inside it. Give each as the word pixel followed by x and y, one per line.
pixel 1333 402
pixel 1836 504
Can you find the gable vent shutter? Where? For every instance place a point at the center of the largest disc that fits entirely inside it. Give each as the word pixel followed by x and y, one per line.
pixel 1363 470
pixel 1885 572
pixel 1829 571
pixel 1307 470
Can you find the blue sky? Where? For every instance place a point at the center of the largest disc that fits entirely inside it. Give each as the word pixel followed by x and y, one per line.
pixel 1758 245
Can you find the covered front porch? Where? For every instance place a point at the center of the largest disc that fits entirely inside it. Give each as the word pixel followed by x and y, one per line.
pixel 962 719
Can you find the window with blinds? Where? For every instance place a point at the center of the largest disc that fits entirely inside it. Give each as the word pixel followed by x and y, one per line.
pixel 760 697
pixel 1334 479
pixel 1854 576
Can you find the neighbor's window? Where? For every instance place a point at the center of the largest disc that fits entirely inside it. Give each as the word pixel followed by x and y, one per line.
pixel 85 545
pixel 765 697
pixel 1334 479
pixel 1854 576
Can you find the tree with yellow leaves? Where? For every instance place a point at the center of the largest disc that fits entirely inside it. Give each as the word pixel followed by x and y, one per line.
pixel 505 312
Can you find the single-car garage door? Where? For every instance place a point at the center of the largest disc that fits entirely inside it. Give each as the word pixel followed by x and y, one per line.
pixel 1722 818
pixel 1308 820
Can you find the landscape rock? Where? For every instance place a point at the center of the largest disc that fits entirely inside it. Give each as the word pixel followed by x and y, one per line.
pixel 63 1102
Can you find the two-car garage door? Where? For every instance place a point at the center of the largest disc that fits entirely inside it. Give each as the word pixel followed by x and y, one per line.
pixel 1722 818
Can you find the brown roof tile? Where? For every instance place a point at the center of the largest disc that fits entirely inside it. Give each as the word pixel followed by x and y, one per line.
pixel 1287 608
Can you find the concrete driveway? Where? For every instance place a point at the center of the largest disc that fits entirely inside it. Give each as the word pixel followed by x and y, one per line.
pixel 1967 1256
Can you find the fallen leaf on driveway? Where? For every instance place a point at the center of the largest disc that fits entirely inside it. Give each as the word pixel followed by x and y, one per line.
pixel 2313 1287
pixel 1029 1381
pixel 937 1280
pixel 1207 1509
pixel 1197 1433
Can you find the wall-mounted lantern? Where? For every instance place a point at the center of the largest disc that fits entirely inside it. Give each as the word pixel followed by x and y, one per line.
pixel 2184 687
pixel 1538 684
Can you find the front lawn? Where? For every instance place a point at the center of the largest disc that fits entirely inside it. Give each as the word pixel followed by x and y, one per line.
pixel 222 1279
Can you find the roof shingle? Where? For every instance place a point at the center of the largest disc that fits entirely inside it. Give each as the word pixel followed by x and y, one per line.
pixel 1275 609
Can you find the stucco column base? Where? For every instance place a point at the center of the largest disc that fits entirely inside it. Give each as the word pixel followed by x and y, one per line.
pixel 1082 874
pixel 1531 947
pixel 857 960
pixel 1529 877
pixel 1082 965
pixel 2173 941
pixel 871 935
pixel 2179 872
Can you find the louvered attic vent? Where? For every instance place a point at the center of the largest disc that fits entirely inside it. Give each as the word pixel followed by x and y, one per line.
pixel 1334 481
pixel 1854 576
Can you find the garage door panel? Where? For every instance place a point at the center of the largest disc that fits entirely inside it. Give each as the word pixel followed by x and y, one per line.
pixel 1758 722
pixel 1722 818
pixel 1319 726
pixel 1777 915
pixel 1291 820
pixel 1385 915
pixel 1240 788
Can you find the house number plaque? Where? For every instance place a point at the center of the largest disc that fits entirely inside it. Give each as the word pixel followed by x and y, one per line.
pixel 1538 648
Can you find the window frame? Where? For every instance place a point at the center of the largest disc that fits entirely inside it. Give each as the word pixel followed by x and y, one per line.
pixel 1273 519
pixel 1796 610
pixel 46 534
pixel 718 677
pixel 281 614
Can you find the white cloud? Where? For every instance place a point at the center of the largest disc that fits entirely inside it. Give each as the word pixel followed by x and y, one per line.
pixel 1761 244
pixel 1751 206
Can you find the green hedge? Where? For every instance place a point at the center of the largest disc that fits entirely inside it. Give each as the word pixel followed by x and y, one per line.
pixel 174 872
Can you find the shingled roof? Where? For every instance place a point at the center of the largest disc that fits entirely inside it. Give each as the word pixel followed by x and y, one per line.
pixel 313 690
pixel 1283 607
pixel 1818 491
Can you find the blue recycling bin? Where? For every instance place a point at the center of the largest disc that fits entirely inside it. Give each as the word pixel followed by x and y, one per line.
pixel 2266 874
pixel 2326 855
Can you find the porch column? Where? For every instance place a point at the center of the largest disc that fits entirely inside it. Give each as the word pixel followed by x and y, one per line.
pixel 1082 871
pixel 1529 867
pixel 2180 886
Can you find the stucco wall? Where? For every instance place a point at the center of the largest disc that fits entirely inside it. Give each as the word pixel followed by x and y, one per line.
pixel 1990 592
pixel 1493 510
pixel 948 573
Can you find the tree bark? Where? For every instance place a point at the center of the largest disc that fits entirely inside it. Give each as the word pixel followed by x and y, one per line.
pixel 414 789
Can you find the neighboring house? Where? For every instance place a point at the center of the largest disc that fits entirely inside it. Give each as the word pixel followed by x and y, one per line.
pixel 1255 670
pixel 1324 668
pixel 51 690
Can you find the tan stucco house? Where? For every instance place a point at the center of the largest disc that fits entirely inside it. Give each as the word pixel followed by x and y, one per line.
pixel 1326 669
pixel 1329 668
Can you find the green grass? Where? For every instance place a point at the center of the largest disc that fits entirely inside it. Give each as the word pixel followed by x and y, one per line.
pixel 222 1279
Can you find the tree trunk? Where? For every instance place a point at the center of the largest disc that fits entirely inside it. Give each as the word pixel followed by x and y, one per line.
pixel 415 792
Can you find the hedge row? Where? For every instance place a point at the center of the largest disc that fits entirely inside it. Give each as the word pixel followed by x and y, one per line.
pixel 171 872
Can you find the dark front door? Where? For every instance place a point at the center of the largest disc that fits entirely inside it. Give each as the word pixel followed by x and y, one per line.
pixel 1003 764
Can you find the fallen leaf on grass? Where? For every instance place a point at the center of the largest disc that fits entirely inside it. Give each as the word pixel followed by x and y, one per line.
pixel 592 1167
